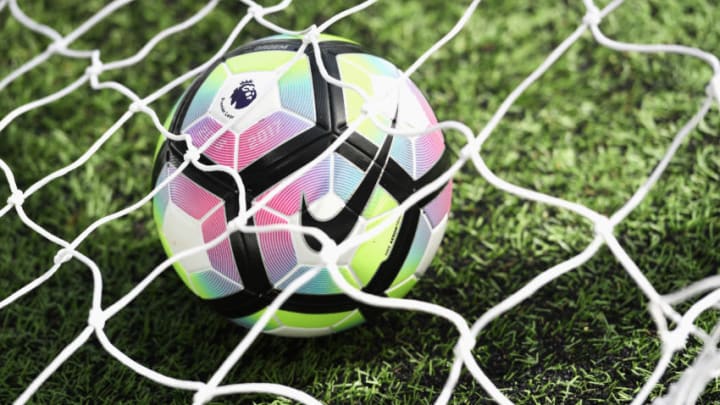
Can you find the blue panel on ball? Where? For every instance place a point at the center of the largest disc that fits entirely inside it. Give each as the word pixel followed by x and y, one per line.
pixel 346 177
pixel 402 153
pixel 296 89
pixel 210 284
pixel 204 96
pixel 161 199
pixel 417 250
pixel 319 285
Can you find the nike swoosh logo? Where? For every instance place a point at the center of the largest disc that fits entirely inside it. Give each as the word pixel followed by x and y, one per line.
pixel 340 226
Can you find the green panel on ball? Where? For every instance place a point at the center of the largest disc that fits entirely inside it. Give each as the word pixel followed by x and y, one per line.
pixel 372 253
pixel 329 37
pixel 355 318
pixel 380 202
pixel 351 74
pixel 323 38
pixel 348 276
pixel 300 320
pixel 296 89
pixel 370 130
pixel 402 289
pixel 362 71
pixel 407 270
pixel 259 61
pixel 161 140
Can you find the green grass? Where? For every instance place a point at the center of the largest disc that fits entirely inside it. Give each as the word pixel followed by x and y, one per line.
pixel 590 131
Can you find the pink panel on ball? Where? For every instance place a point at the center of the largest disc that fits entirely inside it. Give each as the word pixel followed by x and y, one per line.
pixel 221 256
pixel 439 206
pixel 313 185
pixel 191 198
pixel 222 150
pixel 266 135
pixel 203 130
pixel 428 150
pixel 429 147
pixel 276 247
pixel 214 225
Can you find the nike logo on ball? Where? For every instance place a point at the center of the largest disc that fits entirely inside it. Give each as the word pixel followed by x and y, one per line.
pixel 340 226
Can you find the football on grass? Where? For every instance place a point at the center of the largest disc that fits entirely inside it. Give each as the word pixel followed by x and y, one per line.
pixel 264 110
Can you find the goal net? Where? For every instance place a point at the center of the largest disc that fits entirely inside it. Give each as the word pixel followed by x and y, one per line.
pixel 676 314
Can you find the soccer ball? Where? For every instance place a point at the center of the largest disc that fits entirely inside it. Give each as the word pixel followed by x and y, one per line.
pixel 280 114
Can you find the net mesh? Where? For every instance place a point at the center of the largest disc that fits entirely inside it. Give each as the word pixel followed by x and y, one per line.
pixel 674 328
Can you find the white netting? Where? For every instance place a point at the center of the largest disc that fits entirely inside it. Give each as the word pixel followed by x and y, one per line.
pixel 687 389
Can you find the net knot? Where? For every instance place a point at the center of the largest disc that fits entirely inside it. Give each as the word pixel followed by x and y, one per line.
pixel 464 345
pixel 592 17
pixel 603 226
pixel 674 340
pixel 256 10
pixel 238 223
pixel 63 255
pixel 97 318
pixel 137 106
pixel 313 35
pixel 467 152
pixel 94 70
pixel 58 46
pixel 96 66
pixel 192 154
pixel 17 198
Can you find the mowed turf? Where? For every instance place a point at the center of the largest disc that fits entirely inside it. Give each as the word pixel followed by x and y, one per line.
pixel 590 131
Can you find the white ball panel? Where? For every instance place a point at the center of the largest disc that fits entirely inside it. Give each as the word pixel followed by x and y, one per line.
pixel 267 101
pixel 436 236
pixel 411 115
pixel 183 232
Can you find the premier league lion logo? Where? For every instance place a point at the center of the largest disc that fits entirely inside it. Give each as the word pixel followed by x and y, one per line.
pixel 243 95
